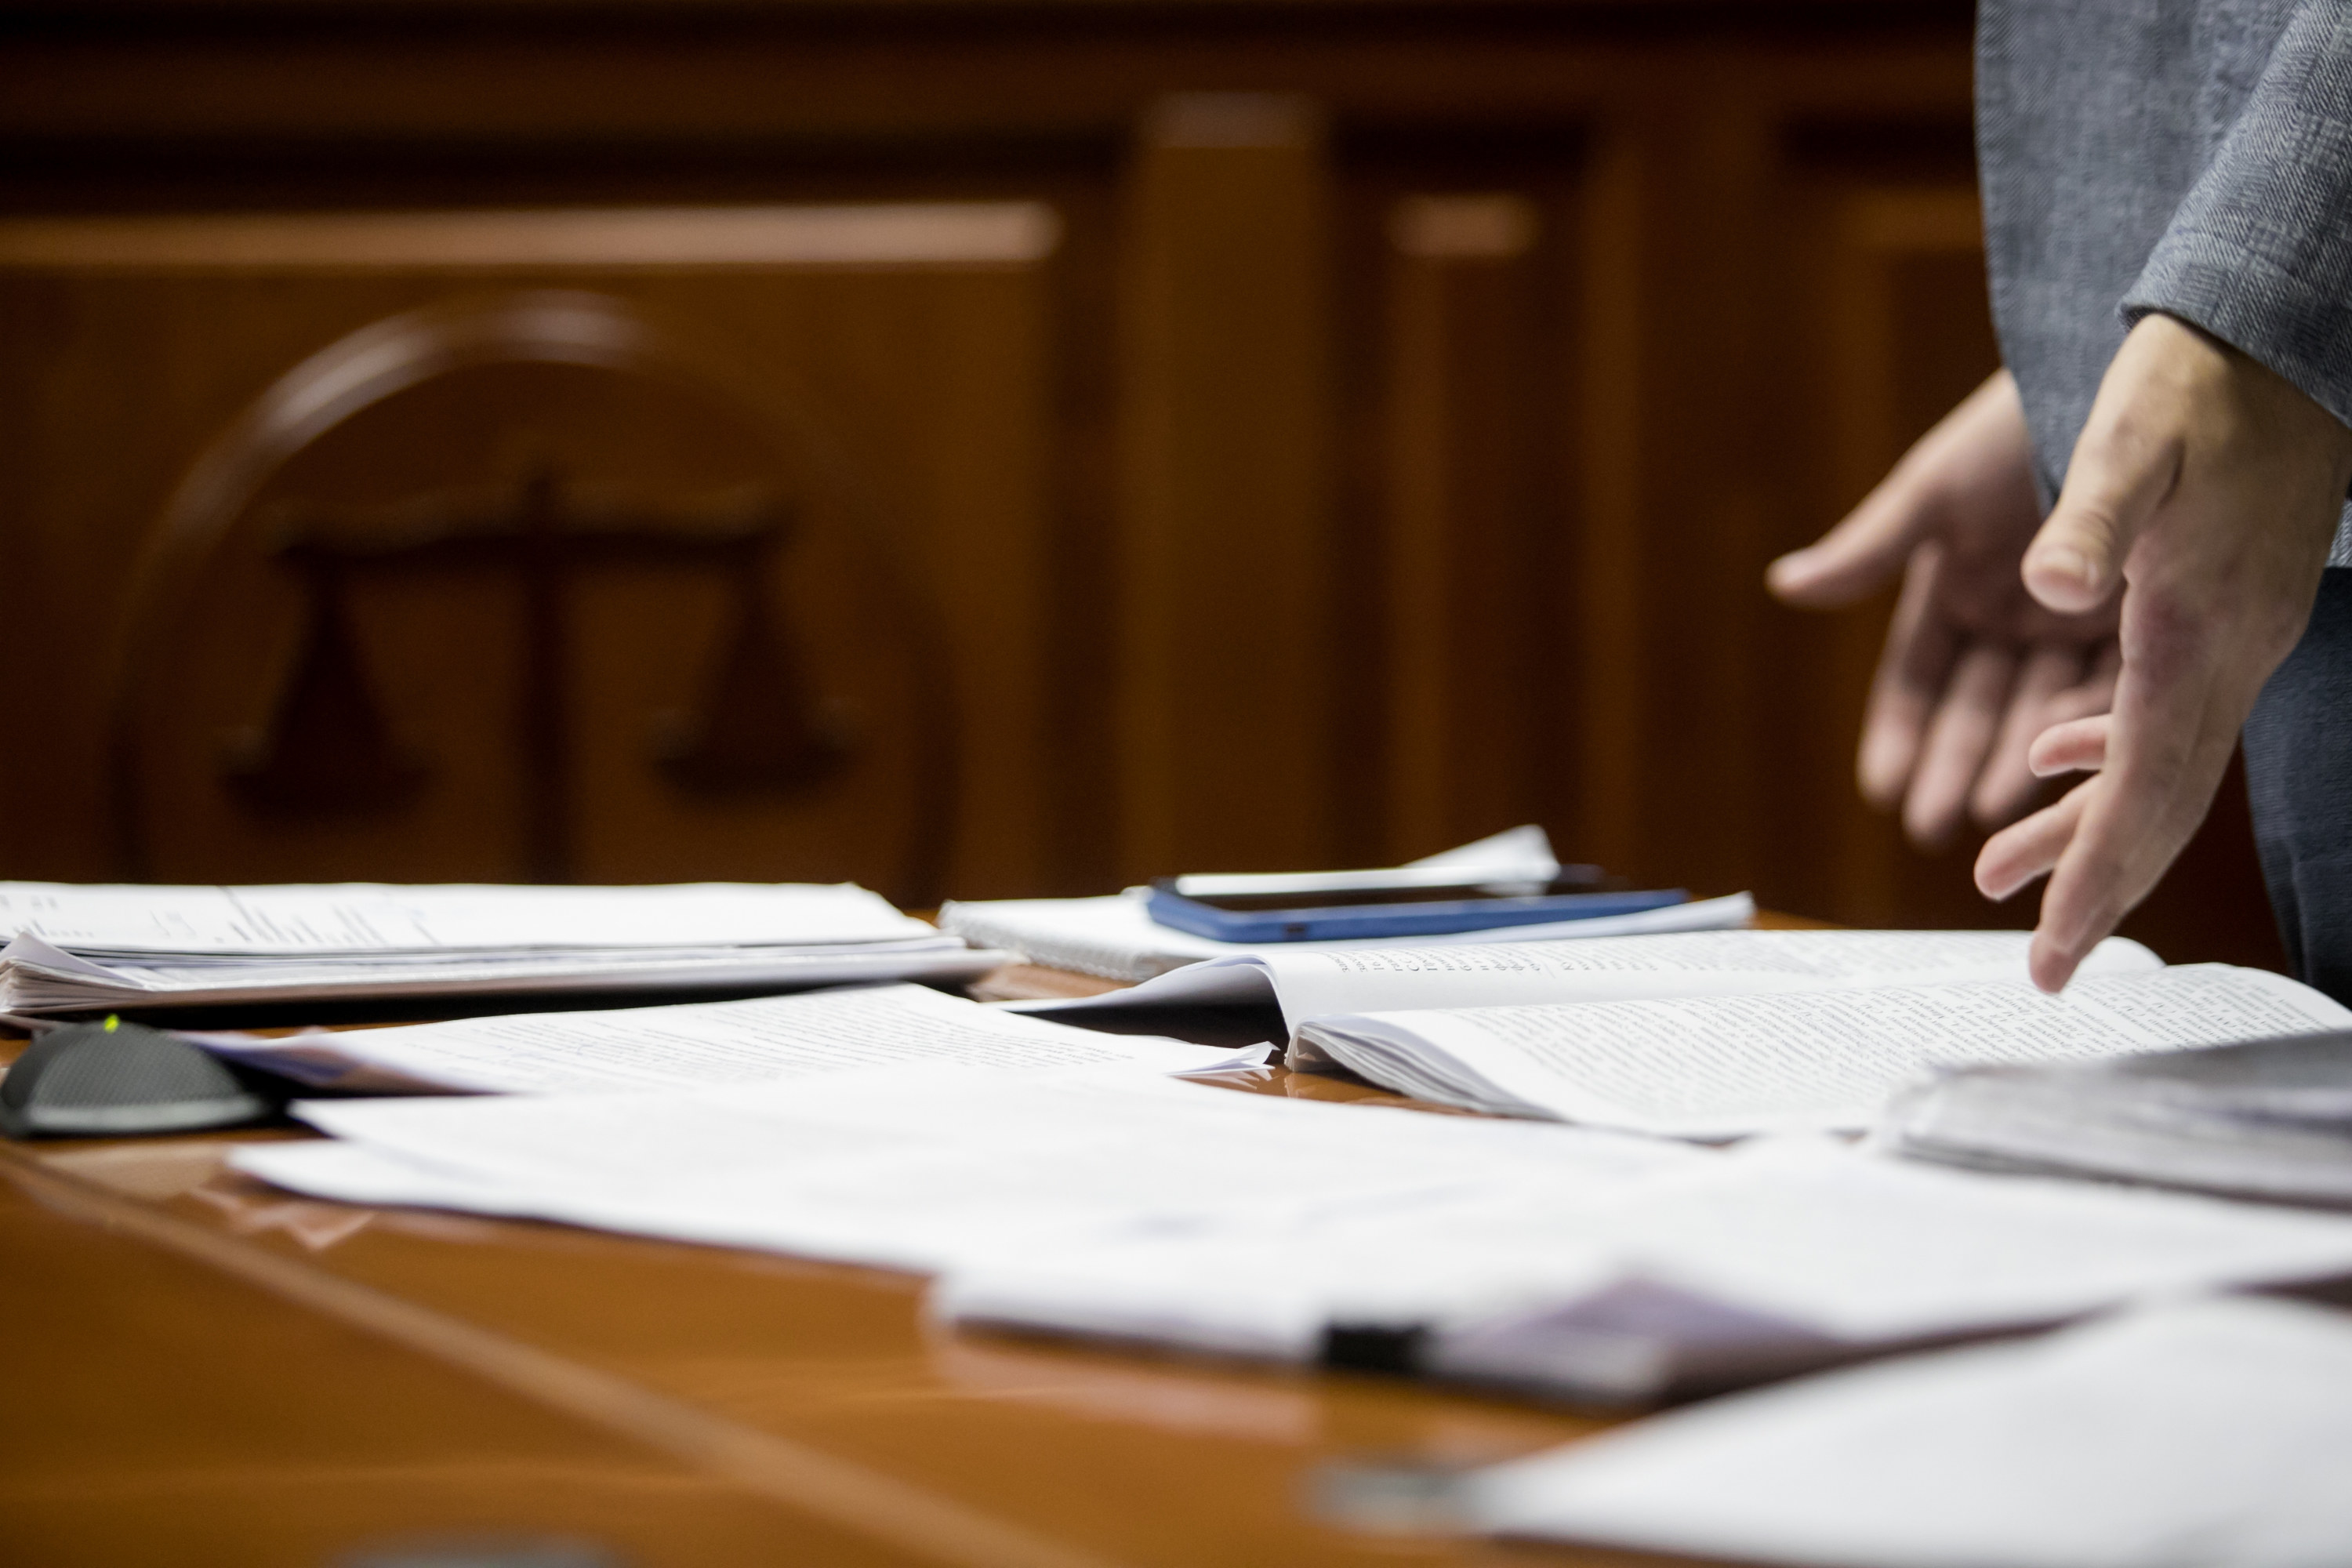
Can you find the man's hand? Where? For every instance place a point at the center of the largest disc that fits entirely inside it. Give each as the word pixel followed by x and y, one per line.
pixel 2207 489
pixel 1974 666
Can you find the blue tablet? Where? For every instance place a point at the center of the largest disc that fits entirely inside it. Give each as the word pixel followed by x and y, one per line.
pixel 1423 916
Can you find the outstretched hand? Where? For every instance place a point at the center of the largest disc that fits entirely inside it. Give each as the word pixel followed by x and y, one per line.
pixel 2206 489
pixel 1974 667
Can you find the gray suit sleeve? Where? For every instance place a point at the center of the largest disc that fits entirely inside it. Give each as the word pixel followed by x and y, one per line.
pixel 2260 252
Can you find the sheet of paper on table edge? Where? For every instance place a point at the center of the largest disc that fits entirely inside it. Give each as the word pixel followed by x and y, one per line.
pixel 2206 1429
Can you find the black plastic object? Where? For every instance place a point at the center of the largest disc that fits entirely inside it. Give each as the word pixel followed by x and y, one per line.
pixel 117 1080
pixel 1389 1348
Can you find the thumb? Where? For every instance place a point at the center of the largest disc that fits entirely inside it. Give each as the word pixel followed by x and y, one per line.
pixel 2113 485
pixel 1954 475
pixel 1851 559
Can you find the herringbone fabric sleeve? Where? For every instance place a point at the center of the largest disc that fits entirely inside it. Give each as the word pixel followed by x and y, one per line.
pixel 2259 253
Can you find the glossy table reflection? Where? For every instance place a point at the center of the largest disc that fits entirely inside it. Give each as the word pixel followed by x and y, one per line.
pixel 207 1370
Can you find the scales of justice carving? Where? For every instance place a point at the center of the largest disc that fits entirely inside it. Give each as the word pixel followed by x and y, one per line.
pixel 327 747
pixel 756 730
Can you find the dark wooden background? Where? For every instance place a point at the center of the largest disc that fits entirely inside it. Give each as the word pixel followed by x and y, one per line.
pixel 1260 434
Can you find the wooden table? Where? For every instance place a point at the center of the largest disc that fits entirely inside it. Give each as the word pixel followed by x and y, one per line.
pixel 207 1370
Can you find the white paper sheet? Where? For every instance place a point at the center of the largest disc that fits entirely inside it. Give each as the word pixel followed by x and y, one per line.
pixel 763 1040
pixel 1812 1236
pixel 924 1167
pixel 1723 1066
pixel 2198 1433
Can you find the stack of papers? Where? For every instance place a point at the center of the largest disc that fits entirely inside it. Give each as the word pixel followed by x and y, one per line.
pixel 2267 1119
pixel 1115 937
pixel 1054 1180
pixel 83 948
pixel 1116 1203
pixel 1716 1272
pixel 2203 1432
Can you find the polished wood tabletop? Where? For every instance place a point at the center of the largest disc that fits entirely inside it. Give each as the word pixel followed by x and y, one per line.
pixel 207 1370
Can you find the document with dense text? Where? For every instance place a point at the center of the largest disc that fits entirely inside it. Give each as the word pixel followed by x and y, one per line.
pixel 1725 1067
pixel 82 949
pixel 1316 980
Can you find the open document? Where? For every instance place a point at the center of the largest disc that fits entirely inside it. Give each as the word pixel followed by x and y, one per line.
pixel 1310 980
pixel 72 948
pixel 1114 937
pixel 1774 1258
pixel 1725 1067
pixel 687 1045
pixel 2198 1432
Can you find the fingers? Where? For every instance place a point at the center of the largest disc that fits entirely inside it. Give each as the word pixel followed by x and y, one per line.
pixel 2078 746
pixel 2162 754
pixel 2096 693
pixel 1971 447
pixel 2112 857
pixel 2008 782
pixel 2222 489
pixel 1857 556
pixel 1958 741
pixel 2174 726
pixel 1950 718
pixel 2104 844
pixel 1912 670
pixel 2013 858
pixel 2055 840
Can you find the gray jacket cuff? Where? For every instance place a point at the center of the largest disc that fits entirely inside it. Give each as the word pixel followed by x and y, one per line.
pixel 2260 252
pixel 2244 298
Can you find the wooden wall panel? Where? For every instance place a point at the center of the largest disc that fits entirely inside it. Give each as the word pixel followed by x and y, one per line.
pixel 1477 523
pixel 1388 451
pixel 1225 701
pixel 1898 328
pixel 906 384
pixel 1611 663
pixel 1465 473
pixel 1697 468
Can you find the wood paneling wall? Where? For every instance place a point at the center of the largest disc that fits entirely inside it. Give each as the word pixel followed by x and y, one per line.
pixel 877 374
pixel 1386 450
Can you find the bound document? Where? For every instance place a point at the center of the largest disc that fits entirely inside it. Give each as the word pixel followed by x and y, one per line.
pixel 72 949
pixel 1715 1066
pixel 1314 980
pixel 2266 1119
pixel 1719 1033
